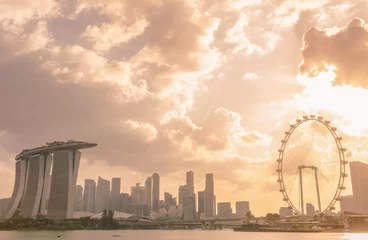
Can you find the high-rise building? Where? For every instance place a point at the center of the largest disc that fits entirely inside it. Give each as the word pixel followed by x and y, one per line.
pixel 155 191
pixel 311 210
pixel 102 195
pixel 183 193
pixel 242 208
pixel 138 195
pixel 209 197
pixel 285 212
pixel 200 203
pixel 224 210
pixel 359 179
pixel 189 207
pixel 63 181
pixel 78 198
pixel 190 182
pixel 148 188
pixel 89 196
pixel 115 194
pixel 126 203
pixel 34 193
pixel 169 201
pixel 348 204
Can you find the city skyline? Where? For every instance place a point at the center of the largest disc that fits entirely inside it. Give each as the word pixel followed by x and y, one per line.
pixel 169 87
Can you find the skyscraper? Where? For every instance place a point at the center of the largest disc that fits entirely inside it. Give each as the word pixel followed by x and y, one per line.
pixel 102 195
pixel 242 208
pixel 138 195
pixel 63 181
pixel 183 193
pixel 200 203
pixel 359 179
pixel 89 196
pixel 148 188
pixel 311 210
pixel 209 198
pixel 115 194
pixel 168 200
pixel 78 198
pixel 155 191
pixel 190 182
pixel 285 212
pixel 126 203
pixel 224 210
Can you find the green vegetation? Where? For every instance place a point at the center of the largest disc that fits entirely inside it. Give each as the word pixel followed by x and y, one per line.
pixel 106 222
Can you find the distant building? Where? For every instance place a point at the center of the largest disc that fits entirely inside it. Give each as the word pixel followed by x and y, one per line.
pixel 189 208
pixel 89 195
pixel 126 203
pixel 169 201
pixel 138 194
pixel 200 203
pixel 115 194
pixel 4 207
pixel 348 204
pixel 242 208
pixel 140 210
pixel 311 210
pixel 224 210
pixel 78 198
pixel 285 212
pixel 183 193
pixel 209 197
pixel 148 189
pixel 359 179
pixel 102 195
pixel 190 183
pixel 155 191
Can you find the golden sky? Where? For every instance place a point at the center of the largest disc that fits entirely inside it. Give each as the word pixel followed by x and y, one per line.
pixel 170 86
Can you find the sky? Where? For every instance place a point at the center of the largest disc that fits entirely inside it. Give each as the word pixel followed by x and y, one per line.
pixel 170 86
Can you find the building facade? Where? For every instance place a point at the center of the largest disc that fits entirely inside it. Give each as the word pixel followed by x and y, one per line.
pixel 148 189
pixel 155 191
pixel 242 208
pixel 311 210
pixel 224 210
pixel 102 195
pixel 78 198
pixel 209 197
pixel 348 204
pixel 359 179
pixel 89 196
pixel 190 182
pixel 115 194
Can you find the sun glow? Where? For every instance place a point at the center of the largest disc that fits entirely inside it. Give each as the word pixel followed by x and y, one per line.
pixel 345 101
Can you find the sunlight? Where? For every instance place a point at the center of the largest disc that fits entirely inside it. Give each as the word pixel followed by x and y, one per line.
pixel 319 94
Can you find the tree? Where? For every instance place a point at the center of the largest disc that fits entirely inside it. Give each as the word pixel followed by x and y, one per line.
pixel 272 216
pixel 250 215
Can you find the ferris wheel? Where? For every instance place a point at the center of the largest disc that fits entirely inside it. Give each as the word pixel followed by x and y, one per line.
pixel 311 154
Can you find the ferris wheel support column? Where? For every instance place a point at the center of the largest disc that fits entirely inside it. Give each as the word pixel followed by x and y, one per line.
pixel 317 187
pixel 301 189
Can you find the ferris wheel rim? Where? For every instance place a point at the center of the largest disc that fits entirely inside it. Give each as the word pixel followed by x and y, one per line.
pixel 342 161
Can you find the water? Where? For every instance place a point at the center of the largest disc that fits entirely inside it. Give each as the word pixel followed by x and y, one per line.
pixel 175 235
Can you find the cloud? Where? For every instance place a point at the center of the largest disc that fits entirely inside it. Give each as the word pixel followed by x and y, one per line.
pixel 146 130
pixel 250 77
pixel 344 48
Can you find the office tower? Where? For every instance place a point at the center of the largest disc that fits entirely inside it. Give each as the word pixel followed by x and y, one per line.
pixel 242 208
pixel 310 209
pixel 214 205
pixel 359 179
pixel 168 201
pixel 285 212
pixel 224 210
pixel 63 181
pixel 34 192
pixel 189 207
pixel 102 195
pixel 138 194
pixel 148 188
pixel 115 194
pixel 89 195
pixel 347 204
pixel 78 198
pixel 209 197
pixel 155 191
pixel 183 193
pixel 126 203
pixel 190 182
pixel 200 203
